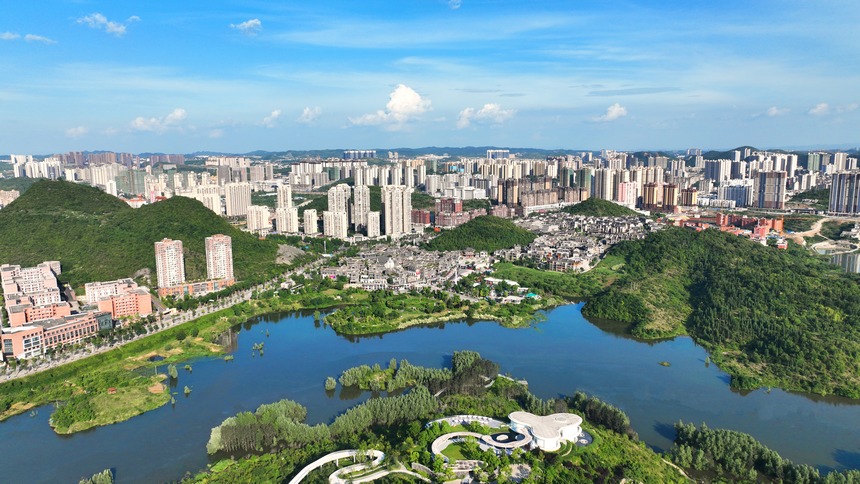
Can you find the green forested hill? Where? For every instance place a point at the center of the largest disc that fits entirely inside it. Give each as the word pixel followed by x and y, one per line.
pixel 769 317
pixel 482 233
pixel 98 237
pixel 596 207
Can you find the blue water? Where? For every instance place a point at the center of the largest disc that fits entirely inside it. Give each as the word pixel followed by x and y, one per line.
pixel 559 356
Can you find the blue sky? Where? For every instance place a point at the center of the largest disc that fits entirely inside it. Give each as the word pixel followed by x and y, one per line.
pixel 181 76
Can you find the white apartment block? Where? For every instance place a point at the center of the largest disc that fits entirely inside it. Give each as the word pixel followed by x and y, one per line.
pixel 219 257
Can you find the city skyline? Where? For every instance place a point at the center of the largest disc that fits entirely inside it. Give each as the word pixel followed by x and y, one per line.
pixel 237 78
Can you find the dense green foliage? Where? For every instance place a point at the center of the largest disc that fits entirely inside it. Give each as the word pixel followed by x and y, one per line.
pixel 833 229
pixel 601 413
pixel 103 477
pixel 565 284
pixel 819 198
pixel 596 207
pixel 20 184
pixel 738 457
pixel 769 317
pixel 469 375
pixel 98 237
pixel 482 233
pixel 396 426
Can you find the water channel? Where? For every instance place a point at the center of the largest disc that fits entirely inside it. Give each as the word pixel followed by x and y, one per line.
pixel 558 356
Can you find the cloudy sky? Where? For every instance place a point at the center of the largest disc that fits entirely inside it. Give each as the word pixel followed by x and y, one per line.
pixel 181 76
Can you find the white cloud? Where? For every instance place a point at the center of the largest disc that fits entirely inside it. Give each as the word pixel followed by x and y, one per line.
pixel 249 27
pixel 216 133
pixel 77 131
pixel 271 120
pixel 775 111
pixel 847 108
pixel 39 38
pixel 9 36
pixel 820 109
pixel 110 131
pixel 159 125
pixel 454 4
pixel 309 115
pixel 612 113
pixel 404 104
pixel 100 22
pixel 490 113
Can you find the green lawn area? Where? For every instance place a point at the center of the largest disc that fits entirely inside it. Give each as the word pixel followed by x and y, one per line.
pixel 454 452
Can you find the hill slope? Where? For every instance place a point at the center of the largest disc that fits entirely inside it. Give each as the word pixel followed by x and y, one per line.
pixel 98 237
pixel 768 317
pixel 596 207
pixel 482 233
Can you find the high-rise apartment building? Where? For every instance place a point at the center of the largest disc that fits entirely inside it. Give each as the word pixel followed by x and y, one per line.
pixel 845 193
pixel 285 196
pixel 287 220
pixel 770 189
pixel 397 209
pixel 311 221
pixel 718 170
pixel 361 206
pixel 169 263
pixel 373 224
pixel 338 198
pixel 237 198
pixel 219 257
pixel 259 220
pixel 335 224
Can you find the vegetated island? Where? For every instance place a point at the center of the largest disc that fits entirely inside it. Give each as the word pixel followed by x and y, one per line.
pixel 273 443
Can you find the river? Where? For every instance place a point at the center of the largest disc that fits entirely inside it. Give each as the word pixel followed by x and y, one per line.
pixel 558 356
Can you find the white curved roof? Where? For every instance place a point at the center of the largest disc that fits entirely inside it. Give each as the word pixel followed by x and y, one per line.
pixel 548 427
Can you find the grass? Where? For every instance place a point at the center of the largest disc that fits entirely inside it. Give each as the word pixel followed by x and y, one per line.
pixel 454 452
pixel 799 223
pixel 124 404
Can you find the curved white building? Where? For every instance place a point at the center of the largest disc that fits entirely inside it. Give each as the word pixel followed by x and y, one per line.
pixel 550 431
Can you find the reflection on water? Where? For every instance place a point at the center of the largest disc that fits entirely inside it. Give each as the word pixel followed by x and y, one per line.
pixel 564 354
pixel 850 262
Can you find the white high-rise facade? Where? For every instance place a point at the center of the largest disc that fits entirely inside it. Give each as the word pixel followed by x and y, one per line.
pixel 237 197
pixel 219 257
pixel 310 221
pixel 335 224
pixel 361 207
pixel 397 209
pixel 287 220
pixel 338 198
pixel 259 220
pixel 285 196
pixel 373 224
pixel 169 263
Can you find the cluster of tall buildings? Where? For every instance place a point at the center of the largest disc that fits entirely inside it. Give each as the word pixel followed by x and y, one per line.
pixel 170 267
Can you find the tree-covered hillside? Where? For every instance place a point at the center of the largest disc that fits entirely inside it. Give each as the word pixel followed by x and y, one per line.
pixel 769 317
pixel 98 237
pixel 595 207
pixel 482 233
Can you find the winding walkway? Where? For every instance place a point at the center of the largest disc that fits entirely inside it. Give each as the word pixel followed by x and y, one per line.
pixel 335 456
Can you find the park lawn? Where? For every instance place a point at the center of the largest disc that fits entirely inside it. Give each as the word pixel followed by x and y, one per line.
pixel 454 452
pixel 126 403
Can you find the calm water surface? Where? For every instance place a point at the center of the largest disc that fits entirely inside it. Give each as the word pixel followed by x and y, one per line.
pixel 558 356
